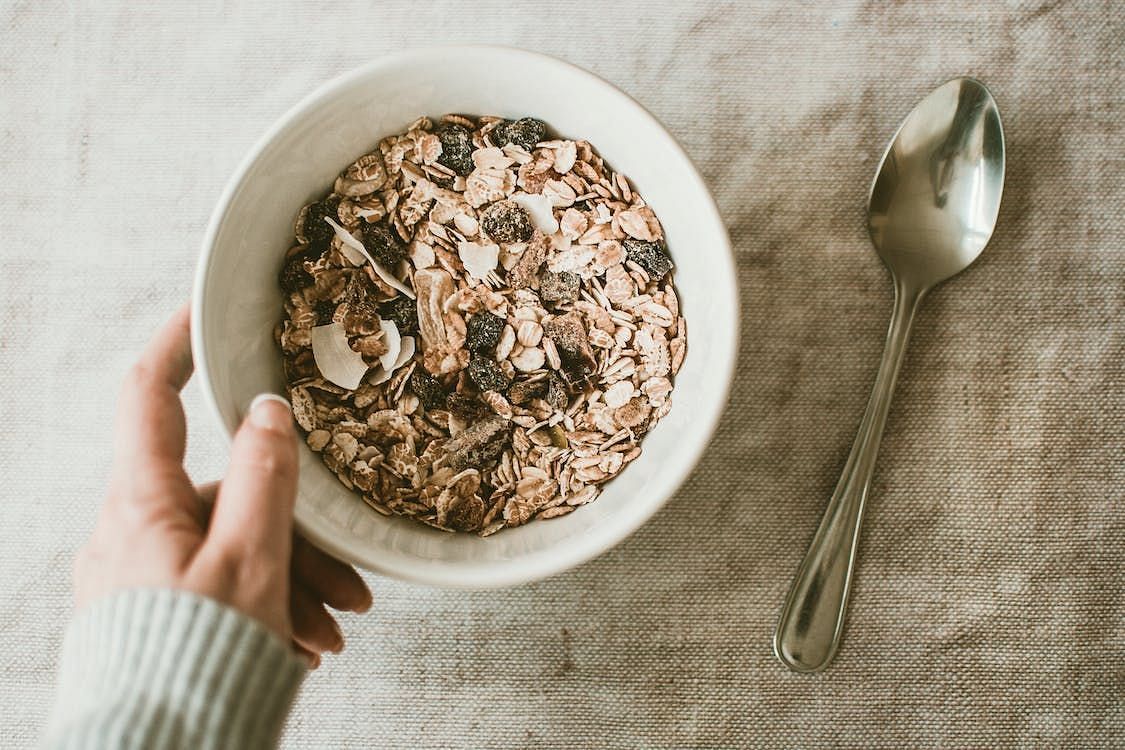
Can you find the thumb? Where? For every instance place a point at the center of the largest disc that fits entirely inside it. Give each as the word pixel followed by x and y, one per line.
pixel 253 515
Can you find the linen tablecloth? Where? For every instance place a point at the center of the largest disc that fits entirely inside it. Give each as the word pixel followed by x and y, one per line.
pixel 988 608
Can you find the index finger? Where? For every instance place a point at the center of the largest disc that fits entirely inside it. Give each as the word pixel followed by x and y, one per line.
pixel 151 433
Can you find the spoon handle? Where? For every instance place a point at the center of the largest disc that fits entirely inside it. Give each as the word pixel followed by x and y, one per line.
pixel 813 617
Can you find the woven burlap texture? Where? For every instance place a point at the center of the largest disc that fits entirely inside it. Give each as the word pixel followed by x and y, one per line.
pixel 988 607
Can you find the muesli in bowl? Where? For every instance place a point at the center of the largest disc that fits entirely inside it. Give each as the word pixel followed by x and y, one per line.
pixel 480 324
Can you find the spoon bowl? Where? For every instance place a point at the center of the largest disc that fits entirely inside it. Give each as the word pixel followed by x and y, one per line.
pixel 936 194
pixel 932 209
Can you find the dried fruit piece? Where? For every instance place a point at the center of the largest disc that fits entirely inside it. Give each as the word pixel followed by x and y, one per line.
pixel 427 388
pixel 325 311
pixel 483 331
pixel 506 221
pixel 456 148
pixel 360 315
pixel 556 395
pixel 293 277
pixel 569 335
pixel 466 408
pixel 560 286
pixel 479 445
pixel 487 375
pixel 403 311
pixel 383 245
pixel 650 256
pixel 525 132
pixel 527 268
pixel 523 391
pixel 311 222
pixel 348 239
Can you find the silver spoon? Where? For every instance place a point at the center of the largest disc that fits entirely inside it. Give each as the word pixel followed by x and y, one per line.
pixel 932 209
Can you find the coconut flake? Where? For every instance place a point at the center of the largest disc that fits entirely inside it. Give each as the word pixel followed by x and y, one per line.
pixel 350 241
pixel 390 279
pixel 479 260
pixel 539 208
pixel 406 353
pixel 337 362
pixel 358 252
pixel 393 341
pixel 565 156
pixel 422 254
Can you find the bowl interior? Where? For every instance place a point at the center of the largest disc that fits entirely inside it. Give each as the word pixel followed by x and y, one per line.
pixel 238 303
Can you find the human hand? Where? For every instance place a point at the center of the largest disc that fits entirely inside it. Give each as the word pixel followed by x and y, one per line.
pixel 232 542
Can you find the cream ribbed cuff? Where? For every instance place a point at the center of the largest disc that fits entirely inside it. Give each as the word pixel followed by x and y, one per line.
pixel 170 669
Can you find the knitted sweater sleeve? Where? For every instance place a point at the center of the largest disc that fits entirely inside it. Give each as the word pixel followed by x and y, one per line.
pixel 162 669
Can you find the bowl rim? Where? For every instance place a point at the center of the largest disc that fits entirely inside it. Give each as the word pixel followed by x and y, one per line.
pixel 532 566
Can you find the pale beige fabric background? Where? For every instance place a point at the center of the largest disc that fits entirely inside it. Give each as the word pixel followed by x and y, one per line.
pixel 988 610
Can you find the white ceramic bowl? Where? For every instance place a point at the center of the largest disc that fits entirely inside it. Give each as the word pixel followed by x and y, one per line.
pixel 237 302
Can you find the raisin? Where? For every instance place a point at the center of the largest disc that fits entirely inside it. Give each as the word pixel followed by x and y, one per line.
pixel 456 148
pixel 300 367
pixel 487 375
pixel 507 222
pixel 360 293
pixel 558 287
pixel 383 245
pixel 650 256
pixel 293 277
pixel 316 230
pixel 403 311
pixel 499 134
pixel 427 388
pixel 482 332
pixel 466 408
pixel 524 132
pixel 556 394
pixel 325 311
pixel 521 392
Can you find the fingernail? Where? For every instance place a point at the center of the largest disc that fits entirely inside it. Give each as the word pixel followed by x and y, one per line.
pixel 339 645
pixel 269 417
